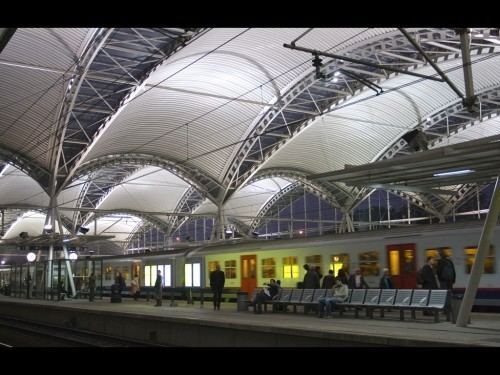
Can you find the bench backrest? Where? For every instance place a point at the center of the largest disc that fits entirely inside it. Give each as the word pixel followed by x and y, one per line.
pixel 438 298
pixel 358 296
pixel 318 293
pixel 285 294
pixel 387 297
pixel 420 297
pixel 372 297
pixel 307 295
pixel 403 297
pixel 296 295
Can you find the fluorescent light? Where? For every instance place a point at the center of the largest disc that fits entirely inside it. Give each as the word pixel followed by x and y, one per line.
pixel 336 74
pixel 453 173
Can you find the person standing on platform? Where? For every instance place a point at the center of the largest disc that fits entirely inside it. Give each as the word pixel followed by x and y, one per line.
pixel 28 286
pixel 311 279
pixel 158 288
pixel 134 287
pixel 91 287
pixel 328 280
pixel 445 271
pixel 385 280
pixel 428 275
pixel 217 281
pixel 357 281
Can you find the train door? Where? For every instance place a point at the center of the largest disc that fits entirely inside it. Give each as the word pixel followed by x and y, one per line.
pixel 402 265
pixel 248 273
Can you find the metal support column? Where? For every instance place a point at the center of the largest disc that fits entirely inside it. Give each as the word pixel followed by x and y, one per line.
pixel 69 271
pixel 482 251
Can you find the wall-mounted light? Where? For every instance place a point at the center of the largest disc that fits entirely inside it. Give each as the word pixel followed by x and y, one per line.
pixel 73 256
pixel 31 256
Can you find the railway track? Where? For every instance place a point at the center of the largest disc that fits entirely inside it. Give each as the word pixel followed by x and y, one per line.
pixel 22 333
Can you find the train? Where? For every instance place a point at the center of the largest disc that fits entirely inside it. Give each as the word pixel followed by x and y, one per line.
pixel 249 264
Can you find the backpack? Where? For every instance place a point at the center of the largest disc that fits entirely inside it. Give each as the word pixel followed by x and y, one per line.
pixel 447 270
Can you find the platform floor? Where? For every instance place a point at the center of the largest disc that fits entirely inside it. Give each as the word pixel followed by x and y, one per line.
pixel 484 329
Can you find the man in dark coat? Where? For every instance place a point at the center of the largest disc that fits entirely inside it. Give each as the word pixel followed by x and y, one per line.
pixel 328 281
pixel 217 280
pixel 428 275
pixel 311 279
pixel 445 271
pixel 158 288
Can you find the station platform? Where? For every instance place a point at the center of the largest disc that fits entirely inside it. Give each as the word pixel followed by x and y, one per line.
pixel 198 325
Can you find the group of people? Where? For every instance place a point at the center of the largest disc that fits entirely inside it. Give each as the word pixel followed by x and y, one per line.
pixel 437 274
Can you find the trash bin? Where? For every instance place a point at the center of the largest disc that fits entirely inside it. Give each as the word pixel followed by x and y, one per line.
pixel 242 301
pixel 116 296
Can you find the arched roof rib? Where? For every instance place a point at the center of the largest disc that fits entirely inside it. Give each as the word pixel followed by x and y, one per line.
pixel 35 68
pixel 356 132
pixel 310 95
pixel 232 74
pixel 190 201
pixel 117 63
pixel 148 189
pixel 206 186
pixel 30 167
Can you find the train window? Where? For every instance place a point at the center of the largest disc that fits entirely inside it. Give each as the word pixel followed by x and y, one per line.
pixel 192 274
pixel 489 262
pixel 268 268
pixel 125 273
pixel 212 265
pixel 108 271
pixel 290 268
pixel 434 252
pixel 339 261
pixel 369 263
pixel 147 275
pixel 230 269
pixel 314 261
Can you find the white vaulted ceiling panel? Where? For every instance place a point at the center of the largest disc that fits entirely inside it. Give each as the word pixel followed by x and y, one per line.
pixel 16 187
pixel 207 96
pixel 31 222
pixel 34 74
pixel 248 201
pixel 358 130
pixel 149 189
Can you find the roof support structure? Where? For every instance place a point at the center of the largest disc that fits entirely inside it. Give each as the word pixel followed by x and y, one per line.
pixel 346 58
pixel 432 63
pixel 482 252
pixel 470 98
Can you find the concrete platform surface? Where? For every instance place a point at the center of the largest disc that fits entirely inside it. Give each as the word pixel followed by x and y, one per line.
pixel 195 325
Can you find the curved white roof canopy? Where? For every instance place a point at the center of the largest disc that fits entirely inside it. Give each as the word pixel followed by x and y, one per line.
pixel 31 222
pixel 119 226
pixel 247 202
pixel 16 187
pixel 34 76
pixel 192 112
pixel 150 189
pixel 361 128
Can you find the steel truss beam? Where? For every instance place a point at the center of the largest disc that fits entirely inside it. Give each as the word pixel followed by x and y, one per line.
pixel 102 91
pixel 30 167
pixel 206 186
pixel 300 181
pixel 389 49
